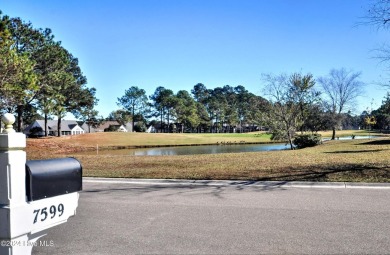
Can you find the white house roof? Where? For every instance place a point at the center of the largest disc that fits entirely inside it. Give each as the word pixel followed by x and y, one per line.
pixel 66 125
pixel 107 124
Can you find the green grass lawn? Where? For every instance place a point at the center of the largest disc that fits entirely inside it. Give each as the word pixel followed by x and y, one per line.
pixel 349 160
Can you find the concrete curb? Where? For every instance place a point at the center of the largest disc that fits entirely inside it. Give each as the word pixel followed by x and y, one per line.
pixel 239 183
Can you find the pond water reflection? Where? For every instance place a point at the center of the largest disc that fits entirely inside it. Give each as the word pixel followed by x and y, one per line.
pixel 205 149
pixel 214 149
pixel 208 149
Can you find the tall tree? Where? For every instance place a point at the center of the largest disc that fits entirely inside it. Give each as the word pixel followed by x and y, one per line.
pixel 202 96
pixel 316 118
pixel 382 114
pixel 200 93
pixel 51 64
pixel 49 76
pixel 230 117
pixel 73 88
pixel 158 105
pixel 135 101
pixel 186 110
pixel 256 108
pixel 302 89
pixel 341 88
pixel 64 86
pixel 18 81
pixel 163 103
pixel 169 101
pixel 56 82
pixel 287 95
pixel 243 104
pixel 204 117
pixel 217 107
pixel 26 41
pixel 60 97
pixel 121 116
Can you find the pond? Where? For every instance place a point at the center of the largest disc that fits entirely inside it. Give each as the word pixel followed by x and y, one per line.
pixel 205 149
pixel 192 150
pixel 210 149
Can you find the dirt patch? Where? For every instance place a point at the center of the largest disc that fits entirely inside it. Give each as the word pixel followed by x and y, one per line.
pixel 46 146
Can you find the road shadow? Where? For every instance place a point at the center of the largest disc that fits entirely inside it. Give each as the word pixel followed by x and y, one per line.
pixel 377 142
pixel 203 187
pixel 354 151
pixel 325 173
pixel 273 181
pixel 371 142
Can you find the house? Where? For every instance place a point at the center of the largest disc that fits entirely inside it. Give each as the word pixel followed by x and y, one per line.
pixel 68 127
pixel 108 126
pixel 151 129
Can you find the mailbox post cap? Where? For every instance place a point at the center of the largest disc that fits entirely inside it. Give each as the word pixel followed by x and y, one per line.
pixel 8 119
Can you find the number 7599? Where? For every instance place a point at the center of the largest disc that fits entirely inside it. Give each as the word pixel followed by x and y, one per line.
pixel 43 214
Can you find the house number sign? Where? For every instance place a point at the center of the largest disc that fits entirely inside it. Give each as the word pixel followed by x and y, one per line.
pixel 46 213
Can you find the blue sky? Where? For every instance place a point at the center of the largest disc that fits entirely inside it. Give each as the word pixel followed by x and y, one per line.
pixel 177 44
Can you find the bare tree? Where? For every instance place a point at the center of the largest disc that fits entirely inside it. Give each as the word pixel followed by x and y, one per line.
pixel 378 14
pixel 289 97
pixel 341 88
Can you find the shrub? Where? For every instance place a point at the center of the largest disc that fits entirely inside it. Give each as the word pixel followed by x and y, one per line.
pixel 140 127
pixel 111 128
pixel 307 140
pixel 35 131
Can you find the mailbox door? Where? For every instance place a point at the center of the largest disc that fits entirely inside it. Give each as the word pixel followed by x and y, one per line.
pixel 53 177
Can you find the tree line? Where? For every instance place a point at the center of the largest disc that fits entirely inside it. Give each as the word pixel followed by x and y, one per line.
pixel 291 103
pixel 37 74
pixel 222 109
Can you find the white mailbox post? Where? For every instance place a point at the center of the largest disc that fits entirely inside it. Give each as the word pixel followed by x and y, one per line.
pixel 23 219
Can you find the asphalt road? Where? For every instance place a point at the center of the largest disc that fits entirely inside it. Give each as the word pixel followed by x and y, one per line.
pixel 232 218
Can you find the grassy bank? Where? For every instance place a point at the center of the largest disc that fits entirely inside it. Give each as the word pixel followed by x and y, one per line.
pixel 133 140
pixel 353 160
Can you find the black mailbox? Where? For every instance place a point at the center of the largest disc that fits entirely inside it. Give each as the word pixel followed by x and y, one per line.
pixel 52 177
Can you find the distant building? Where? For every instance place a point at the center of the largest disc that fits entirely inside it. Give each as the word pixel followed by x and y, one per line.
pixel 108 126
pixel 151 129
pixel 68 127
